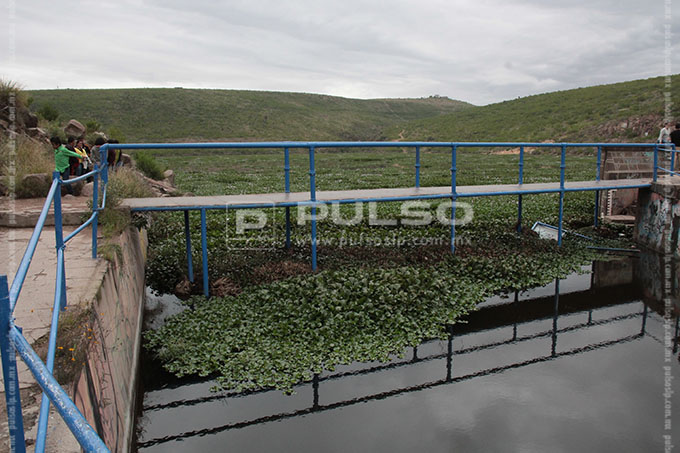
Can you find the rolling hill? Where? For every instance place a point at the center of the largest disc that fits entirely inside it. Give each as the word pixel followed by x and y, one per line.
pixel 627 111
pixel 178 114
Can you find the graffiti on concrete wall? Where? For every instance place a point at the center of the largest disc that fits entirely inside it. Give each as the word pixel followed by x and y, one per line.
pixel 652 221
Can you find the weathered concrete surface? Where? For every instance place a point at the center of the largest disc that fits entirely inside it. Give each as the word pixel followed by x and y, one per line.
pixel 105 388
pixel 24 213
pixel 657 223
pixel 33 312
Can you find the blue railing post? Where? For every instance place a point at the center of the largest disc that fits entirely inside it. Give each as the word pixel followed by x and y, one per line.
pixel 204 251
pixel 9 374
pixel 520 182
pixel 656 162
pixel 59 290
pixel 95 210
pixel 672 151
pixel 556 314
pixel 103 163
pixel 286 169
pixel 453 197
pixel 187 236
pixel 59 238
pixel 417 166
pixel 312 194
pixel 598 171
pixel 563 165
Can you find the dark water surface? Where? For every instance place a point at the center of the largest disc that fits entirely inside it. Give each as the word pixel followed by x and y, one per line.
pixel 533 372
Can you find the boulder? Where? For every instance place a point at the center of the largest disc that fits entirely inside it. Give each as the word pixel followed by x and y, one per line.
pixel 161 188
pixel 74 128
pixel 37 133
pixel 99 134
pixel 77 189
pixel 29 119
pixel 169 177
pixel 87 190
pixel 125 160
pixel 35 185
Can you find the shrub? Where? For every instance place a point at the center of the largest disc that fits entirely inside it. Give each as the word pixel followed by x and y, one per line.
pixel 48 112
pixel 146 163
pixel 93 126
pixel 126 183
pixel 8 87
pixel 28 158
pixel 123 183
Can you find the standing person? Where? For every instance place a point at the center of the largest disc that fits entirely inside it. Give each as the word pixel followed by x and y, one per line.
pixel 113 154
pixel 61 163
pixel 96 155
pixel 675 136
pixel 665 134
pixel 73 162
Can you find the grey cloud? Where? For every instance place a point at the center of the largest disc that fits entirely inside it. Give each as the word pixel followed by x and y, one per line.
pixel 482 51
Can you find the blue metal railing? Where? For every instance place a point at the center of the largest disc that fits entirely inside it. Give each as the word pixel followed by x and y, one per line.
pixel 12 341
pixel 313 202
pixel 665 148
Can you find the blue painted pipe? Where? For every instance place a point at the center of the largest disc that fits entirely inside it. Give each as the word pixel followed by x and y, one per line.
pixel 81 228
pixel 59 238
pixel 41 435
pixel 312 194
pixel 520 182
pixel 561 217
pixel 453 198
pixel 417 166
pixel 95 210
pixel 656 162
pixel 9 373
pixel 598 171
pixel 20 276
pixel 79 178
pixel 307 145
pixel 187 238
pixel 286 168
pixel 81 429
pixel 204 251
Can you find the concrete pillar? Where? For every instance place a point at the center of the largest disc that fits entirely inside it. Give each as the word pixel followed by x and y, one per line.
pixel 658 218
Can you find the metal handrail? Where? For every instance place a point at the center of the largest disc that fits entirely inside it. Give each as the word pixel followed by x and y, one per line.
pixel 12 340
pixel 453 195
pixel 666 148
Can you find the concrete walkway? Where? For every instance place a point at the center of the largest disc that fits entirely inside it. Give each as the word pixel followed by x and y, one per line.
pixel 33 311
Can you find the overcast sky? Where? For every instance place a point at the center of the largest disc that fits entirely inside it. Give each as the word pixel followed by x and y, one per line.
pixel 480 51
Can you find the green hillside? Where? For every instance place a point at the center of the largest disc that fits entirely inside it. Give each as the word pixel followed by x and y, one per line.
pixel 177 114
pixel 628 111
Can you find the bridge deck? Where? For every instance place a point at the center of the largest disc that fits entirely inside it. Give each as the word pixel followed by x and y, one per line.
pixel 283 199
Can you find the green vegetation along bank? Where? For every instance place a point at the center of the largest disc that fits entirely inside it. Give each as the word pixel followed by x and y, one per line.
pixel 273 323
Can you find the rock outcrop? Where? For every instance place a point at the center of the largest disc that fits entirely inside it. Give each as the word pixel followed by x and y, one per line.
pixel 75 129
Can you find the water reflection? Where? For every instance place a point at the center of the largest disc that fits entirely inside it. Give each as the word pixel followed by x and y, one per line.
pixel 572 318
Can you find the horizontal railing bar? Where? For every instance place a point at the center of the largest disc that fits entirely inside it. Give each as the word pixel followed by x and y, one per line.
pixel 81 429
pixel 20 276
pixel 668 171
pixel 259 145
pixel 80 228
pixel 79 178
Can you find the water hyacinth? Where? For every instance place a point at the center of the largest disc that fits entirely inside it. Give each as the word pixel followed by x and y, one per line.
pixel 281 333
